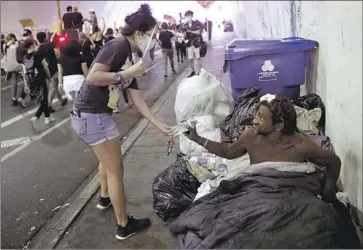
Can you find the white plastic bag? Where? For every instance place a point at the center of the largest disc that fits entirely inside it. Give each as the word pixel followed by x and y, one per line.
pixel 200 96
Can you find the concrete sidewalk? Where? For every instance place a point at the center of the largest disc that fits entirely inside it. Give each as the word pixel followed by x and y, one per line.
pixel 95 229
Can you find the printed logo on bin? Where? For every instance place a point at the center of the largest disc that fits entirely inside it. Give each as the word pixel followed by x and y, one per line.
pixel 268 73
pixel 267 66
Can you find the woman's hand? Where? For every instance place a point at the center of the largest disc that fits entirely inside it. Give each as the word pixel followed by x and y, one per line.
pixel 166 129
pixel 138 69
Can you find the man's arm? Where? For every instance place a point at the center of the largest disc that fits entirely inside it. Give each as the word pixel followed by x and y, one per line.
pixel 322 157
pixel 224 150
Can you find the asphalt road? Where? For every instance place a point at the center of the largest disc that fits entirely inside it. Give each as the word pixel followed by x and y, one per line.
pixel 40 175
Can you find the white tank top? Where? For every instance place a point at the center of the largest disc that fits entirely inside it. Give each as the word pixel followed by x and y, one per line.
pixel 11 63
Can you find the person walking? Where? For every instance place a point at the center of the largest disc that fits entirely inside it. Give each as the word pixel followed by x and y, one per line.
pixel 93 110
pixel 47 52
pixel 180 44
pixel 13 69
pixel 194 39
pixel 37 72
pixel 165 38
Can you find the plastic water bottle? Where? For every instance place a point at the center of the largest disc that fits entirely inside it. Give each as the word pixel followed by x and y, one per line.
pixel 222 169
pixel 205 160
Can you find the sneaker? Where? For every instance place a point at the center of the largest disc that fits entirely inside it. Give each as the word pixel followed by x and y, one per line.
pixel 49 120
pixel 33 122
pixel 192 74
pixel 64 102
pixel 165 75
pixel 14 102
pixel 182 61
pixel 174 72
pixel 103 203
pixel 126 105
pixel 133 227
pixel 51 110
pixel 116 110
pixel 22 103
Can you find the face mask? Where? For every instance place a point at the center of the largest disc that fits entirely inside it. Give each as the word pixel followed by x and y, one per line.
pixel 189 18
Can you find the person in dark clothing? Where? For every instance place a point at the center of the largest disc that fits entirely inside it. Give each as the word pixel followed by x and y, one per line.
pixel 165 37
pixel 68 19
pixel 46 49
pixel 37 71
pixel 208 25
pixel 77 19
pixel 72 68
pixel 2 44
pixel 86 49
pixel 109 35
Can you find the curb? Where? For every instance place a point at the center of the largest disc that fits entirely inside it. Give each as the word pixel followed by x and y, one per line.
pixel 54 231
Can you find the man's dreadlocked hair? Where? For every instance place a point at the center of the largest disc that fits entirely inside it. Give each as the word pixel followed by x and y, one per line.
pixel 282 111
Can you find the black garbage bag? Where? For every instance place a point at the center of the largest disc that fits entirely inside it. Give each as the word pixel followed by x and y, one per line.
pixel 242 114
pixel 312 101
pixel 174 190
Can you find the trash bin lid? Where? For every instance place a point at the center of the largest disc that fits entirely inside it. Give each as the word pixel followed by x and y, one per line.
pixel 239 48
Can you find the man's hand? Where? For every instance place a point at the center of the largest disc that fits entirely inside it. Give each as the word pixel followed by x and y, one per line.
pixel 192 133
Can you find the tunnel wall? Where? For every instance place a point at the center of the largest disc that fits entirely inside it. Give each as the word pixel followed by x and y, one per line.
pixel 337 26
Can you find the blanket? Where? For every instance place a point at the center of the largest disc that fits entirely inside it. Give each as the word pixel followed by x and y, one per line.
pixel 263 209
pixel 210 185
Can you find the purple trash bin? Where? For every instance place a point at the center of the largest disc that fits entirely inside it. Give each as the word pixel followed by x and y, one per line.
pixel 273 66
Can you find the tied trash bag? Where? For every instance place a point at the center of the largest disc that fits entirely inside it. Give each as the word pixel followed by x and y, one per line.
pixel 242 114
pixel 309 102
pixel 202 95
pixel 174 190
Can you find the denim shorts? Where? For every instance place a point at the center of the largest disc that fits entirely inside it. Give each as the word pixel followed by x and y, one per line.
pixel 94 128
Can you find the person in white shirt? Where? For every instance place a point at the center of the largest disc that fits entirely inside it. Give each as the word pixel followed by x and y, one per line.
pixel 181 50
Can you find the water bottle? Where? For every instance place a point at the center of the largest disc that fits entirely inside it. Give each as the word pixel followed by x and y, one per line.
pixel 183 127
pixel 222 170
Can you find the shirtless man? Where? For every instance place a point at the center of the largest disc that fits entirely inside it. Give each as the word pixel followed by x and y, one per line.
pixel 273 138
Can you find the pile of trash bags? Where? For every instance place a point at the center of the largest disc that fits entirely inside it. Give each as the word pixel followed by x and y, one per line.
pixel 203 99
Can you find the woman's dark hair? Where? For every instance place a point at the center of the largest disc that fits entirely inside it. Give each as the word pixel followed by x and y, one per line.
pixel 69 8
pixel 96 29
pixel 142 20
pixel 283 111
pixel 41 36
pixel 28 43
pixel 71 48
pixel 11 36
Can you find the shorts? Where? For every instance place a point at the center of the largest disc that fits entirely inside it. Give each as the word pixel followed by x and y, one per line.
pixel 193 52
pixel 94 129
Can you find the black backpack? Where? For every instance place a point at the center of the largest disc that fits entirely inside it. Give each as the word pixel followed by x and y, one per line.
pixel 31 73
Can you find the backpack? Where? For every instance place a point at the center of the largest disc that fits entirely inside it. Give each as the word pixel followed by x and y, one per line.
pixel 31 73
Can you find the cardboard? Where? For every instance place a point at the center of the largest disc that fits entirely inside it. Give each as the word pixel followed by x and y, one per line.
pixel 27 22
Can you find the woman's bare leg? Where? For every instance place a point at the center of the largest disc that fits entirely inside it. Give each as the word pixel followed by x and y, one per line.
pixel 109 155
pixel 103 180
